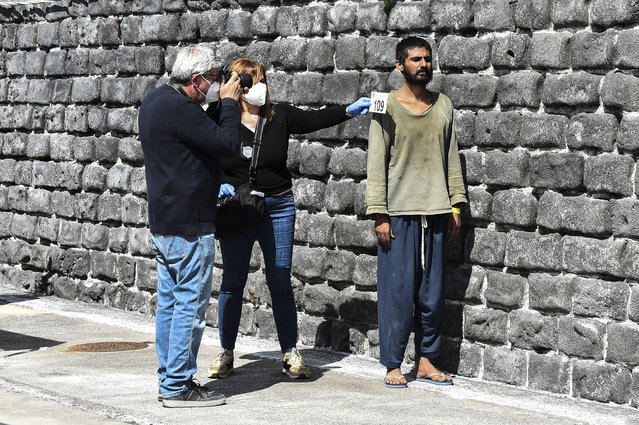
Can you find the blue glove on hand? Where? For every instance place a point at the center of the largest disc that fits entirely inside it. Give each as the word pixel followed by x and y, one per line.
pixel 226 189
pixel 360 107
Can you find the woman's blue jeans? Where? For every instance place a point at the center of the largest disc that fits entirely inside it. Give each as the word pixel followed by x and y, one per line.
pixel 185 265
pixel 275 237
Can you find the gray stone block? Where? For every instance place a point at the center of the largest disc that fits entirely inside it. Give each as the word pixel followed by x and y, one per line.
pixel 550 293
pixel 507 168
pixel 621 91
pixel 339 266
pixel 317 229
pixel 457 52
pixel 357 306
pixel 371 16
pixel 410 16
pixel 504 365
pixel 623 340
pixel 55 63
pixel 574 214
pixel 365 272
pixel 609 173
pixel 118 240
pixel 47 229
pixel 485 246
pixel 599 298
pixel 341 17
pixel 118 177
pixel 577 89
pixel 497 128
pixel 238 25
pixel 551 50
pixel 314 159
pixel 493 15
pixel 606 14
pixel 77 62
pixel 61 147
pixel 140 87
pixel 189 27
pixel 532 251
pixel 109 207
pixel 469 90
pixel 592 50
pixel 465 283
pixel 533 14
pixel 54 117
pixel 592 130
pixel 149 60
pixel 212 24
pixel 592 256
pixel 63 204
pixel 146 274
pixel 308 262
pixel 40 92
pixel 350 52
pixel 485 324
pixel 264 21
pixel 549 373
pixel 123 120
pixel 286 23
pixel 34 62
pixel 85 90
pixel 557 170
pixel 15 63
pixel 532 331
pixel 520 89
pixel 470 359
pixel 312 19
pixel 138 181
pixel 27 36
pixel 504 290
pixel 339 196
pixel 38 201
pixel 125 60
pixel 356 128
pixel 380 50
pixel 68 33
pixel 570 13
pixel 354 233
pixel 103 265
pixel 17 198
pixel 91 290
pixel 514 207
pixel 628 134
pixel 95 236
pixel 370 81
pixel 360 199
pixel 76 119
pixel 601 382
pixel 158 28
pixel 86 206
pixel 116 90
pixel 140 241
pixel 38 145
pixel 451 15
pixel 62 91
pixel 625 217
pixel 315 331
pixel 348 162
pixel 65 287
pixel 290 53
pixel 320 54
pixel 625 54
pixel 543 130
pixel 73 262
pixel 341 88
pixel 480 203
pixel 17 90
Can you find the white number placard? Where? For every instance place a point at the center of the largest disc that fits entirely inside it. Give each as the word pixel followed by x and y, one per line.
pixel 378 102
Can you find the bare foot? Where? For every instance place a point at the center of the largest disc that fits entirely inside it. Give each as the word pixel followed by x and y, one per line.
pixel 394 377
pixel 426 368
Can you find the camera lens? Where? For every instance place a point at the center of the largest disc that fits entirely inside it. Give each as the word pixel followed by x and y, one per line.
pixel 246 80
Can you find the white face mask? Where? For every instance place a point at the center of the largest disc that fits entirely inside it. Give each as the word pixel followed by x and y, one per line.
pixel 256 95
pixel 213 94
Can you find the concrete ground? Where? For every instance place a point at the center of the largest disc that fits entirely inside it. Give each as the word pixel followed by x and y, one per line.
pixel 43 381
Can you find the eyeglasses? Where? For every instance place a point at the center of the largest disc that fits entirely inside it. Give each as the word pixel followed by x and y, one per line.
pixel 216 77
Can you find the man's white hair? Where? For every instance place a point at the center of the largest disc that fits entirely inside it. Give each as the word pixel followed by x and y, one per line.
pixel 198 59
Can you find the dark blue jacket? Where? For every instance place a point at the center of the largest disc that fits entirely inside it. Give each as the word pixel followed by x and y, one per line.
pixel 182 147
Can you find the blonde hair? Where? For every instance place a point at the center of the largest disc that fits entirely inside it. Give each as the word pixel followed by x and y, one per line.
pixel 256 70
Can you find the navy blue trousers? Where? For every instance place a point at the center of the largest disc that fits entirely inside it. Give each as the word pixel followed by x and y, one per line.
pixel 408 294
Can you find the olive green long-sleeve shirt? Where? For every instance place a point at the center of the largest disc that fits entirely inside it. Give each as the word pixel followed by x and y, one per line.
pixel 413 161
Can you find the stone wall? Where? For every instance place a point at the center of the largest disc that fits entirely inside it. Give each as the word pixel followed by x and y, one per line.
pixel 543 283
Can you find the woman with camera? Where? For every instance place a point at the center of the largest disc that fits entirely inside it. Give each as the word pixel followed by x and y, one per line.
pixel 275 235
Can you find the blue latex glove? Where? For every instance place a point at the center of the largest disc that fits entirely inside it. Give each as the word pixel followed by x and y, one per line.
pixel 359 107
pixel 226 189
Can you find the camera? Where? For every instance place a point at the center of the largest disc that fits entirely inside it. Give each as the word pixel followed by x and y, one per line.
pixel 246 80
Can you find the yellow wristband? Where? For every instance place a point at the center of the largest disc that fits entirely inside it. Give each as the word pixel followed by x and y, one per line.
pixel 456 210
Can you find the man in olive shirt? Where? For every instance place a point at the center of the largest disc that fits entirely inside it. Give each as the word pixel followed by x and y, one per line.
pixel 414 190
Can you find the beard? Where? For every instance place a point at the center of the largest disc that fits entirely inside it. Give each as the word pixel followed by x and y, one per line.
pixel 416 78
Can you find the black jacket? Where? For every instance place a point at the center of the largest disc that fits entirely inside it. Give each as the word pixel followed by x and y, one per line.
pixel 182 146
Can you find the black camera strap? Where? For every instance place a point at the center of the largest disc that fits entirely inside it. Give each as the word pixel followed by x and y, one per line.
pixel 257 142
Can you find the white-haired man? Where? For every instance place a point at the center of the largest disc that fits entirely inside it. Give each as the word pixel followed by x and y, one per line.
pixel 182 147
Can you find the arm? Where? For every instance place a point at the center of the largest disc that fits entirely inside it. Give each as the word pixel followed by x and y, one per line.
pixel 299 121
pixel 455 183
pixel 200 131
pixel 377 166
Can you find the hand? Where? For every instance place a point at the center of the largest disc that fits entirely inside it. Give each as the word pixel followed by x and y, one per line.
pixel 359 107
pixel 384 231
pixel 454 224
pixel 226 189
pixel 231 88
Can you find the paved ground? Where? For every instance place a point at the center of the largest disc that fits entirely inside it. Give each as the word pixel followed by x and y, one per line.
pixel 42 382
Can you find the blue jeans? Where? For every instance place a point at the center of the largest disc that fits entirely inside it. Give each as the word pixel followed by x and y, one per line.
pixel 409 295
pixel 275 237
pixel 185 265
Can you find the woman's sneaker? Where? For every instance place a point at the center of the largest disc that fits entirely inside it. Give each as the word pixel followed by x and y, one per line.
pixel 293 366
pixel 222 365
pixel 195 396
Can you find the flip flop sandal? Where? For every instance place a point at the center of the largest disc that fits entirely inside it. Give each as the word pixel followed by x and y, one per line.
pixel 400 377
pixel 428 379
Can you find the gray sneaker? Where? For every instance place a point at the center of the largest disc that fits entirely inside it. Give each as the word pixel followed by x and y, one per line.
pixel 196 396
